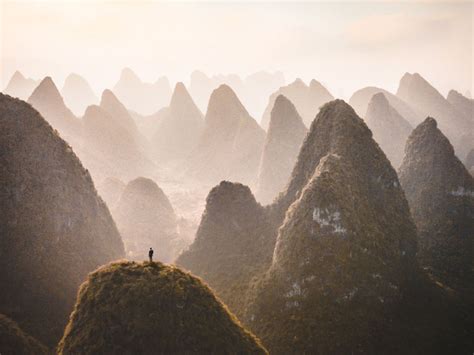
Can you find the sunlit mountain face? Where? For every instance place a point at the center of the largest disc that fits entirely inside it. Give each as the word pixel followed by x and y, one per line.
pixel 265 178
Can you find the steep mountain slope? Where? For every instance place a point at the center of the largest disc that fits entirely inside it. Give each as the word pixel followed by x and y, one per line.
pixel 175 314
pixel 55 228
pixel 231 143
pixel 440 192
pixel 420 94
pixel 389 128
pixel 361 98
pixel 145 218
pixel 307 100
pixel 178 132
pixel 110 189
pixel 345 249
pixel 19 86
pixel 231 243
pixel 144 98
pixel 78 94
pixel 50 104
pixel 282 144
pixel 14 341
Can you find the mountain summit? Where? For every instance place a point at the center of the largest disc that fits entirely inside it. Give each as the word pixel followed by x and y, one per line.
pixel 78 94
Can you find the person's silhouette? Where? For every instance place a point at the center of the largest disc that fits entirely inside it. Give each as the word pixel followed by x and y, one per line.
pixel 150 254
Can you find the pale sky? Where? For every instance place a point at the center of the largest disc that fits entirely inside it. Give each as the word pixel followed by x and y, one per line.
pixel 346 46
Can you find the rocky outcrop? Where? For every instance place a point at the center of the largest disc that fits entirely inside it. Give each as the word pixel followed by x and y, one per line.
pixel 231 143
pixel 145 218
pixel 361 98
pixel 179 130
pixel 55 228
pixel 20 87
pixel 130 308
pixel 307 100
pixel 440 192
pixel 78 94
pixel 389 128
pixel 282 144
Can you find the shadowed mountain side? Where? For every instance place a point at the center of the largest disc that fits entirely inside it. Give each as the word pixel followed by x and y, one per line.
pixel 176 314
pixel 440 192
pixel 55 228
pixel 232 243
pixel 14 341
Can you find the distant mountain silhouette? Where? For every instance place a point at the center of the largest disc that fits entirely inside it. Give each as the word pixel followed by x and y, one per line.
pixel 307 100
pixel 55 228
pixel 282 144
pixel 20 87
pixel 253 90
pixel 389 128
pixel 50 104
pixel 440 192
pixel 144 98
pixel 78 94
pixel 110 189
pixel 179 130
pixel 109 147
pixel 130 308
pixel 458 127
pixel 231 143
pixel 361 98
pixel 145 218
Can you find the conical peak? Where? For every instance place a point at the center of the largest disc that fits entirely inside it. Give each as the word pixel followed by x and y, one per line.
pixel 46 90
pixel 108 99
pixel 180 95
pixel 378 107
pixel 224 101
pixel 17 76
pixel 298 83
pixel 314 84
pixel 144 186
pixel 283 115
pixel 428 124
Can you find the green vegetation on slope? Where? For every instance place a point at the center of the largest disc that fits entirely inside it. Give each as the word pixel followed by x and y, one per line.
pixel 152 308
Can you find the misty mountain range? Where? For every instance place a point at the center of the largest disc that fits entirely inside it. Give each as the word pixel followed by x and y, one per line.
pixel 293 222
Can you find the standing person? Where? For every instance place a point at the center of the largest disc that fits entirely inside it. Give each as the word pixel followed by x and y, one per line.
pixel 150 255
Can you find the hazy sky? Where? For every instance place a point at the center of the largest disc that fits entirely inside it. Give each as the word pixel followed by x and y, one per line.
pixel 344 45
